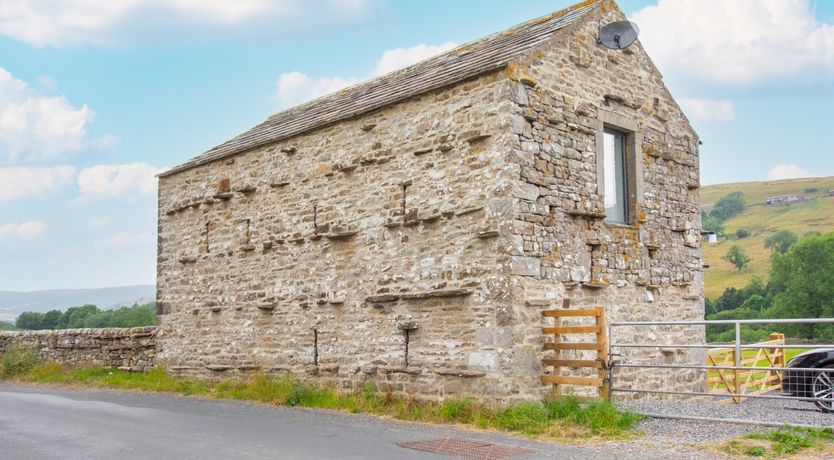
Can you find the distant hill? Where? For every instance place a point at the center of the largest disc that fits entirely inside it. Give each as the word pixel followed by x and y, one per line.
pixel 816 214
pixel 13 303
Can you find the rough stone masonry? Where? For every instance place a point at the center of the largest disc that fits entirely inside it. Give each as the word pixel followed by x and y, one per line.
pixel 132 349
pixel 410 230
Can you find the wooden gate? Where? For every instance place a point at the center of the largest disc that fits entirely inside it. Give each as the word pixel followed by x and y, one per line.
pixel 560 344
pixel 747 382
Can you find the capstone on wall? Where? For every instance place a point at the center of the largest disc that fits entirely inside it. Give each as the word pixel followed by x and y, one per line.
pixel 132 349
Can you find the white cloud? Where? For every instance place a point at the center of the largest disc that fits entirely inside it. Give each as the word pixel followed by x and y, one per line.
pixel 296 87
pixel 739 41
pixel 38 127
pixel 397 58
pixel 25 231
pixel 222 11
pixel 125 239
pixel 47 83
pixel 707 109
pixel 785 171
pixel 118 181
pixel 113 22
pixel 106 142
pixel 26 182
pixel 99 222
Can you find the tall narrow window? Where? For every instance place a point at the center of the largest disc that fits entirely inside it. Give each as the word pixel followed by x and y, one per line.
pixel 615 172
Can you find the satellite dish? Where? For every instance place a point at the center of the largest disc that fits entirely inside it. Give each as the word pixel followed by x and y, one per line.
pixel 618 35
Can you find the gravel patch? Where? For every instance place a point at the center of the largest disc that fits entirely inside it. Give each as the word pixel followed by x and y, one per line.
pixel 782 411
pixel 659 430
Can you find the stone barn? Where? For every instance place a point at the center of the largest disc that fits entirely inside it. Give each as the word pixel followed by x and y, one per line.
pixel 410 230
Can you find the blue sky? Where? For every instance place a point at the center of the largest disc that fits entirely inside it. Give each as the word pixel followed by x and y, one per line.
pixel 97 97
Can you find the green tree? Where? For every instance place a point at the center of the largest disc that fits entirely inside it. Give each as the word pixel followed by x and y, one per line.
pixel 803 279
pixel 74 317
pixel 730 299
pixel 51 319
pixel 733 298
pixel 29 321
pixel 781 241
pixel 737 257
pixel 90 316
pixel 709 306
pixel 726 332
pixel 100 319
pixel 712 224
pixel 754 303
pixel 728 206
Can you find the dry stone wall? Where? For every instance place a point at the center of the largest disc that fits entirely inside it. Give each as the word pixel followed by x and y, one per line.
pixel 132 349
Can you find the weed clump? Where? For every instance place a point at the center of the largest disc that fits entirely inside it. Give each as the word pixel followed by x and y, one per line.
pixel 600 417
pixel 17 360
pixel 785 441
pixel 456 410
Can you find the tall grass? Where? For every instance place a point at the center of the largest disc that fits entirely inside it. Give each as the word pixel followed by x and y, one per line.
pixel 553 418
pixel 17 360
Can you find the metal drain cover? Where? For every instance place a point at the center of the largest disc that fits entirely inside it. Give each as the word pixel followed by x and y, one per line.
pixel 467 448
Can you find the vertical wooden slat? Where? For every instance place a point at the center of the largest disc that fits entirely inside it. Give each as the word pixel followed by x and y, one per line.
pixel 602 342
pixel 736 378
pixel 557 338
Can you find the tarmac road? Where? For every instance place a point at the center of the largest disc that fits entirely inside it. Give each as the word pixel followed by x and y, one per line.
pixel 38 422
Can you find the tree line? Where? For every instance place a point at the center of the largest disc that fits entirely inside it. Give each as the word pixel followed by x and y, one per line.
pixel 726 207
pixel 88 316
pixel 779 242
pixel 801 285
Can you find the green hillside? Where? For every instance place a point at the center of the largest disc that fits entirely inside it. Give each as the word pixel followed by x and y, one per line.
pixel 761 220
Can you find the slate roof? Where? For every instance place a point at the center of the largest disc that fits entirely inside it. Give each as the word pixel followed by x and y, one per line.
pixel 461 63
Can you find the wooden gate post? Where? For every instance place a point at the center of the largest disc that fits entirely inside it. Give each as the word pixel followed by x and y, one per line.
pixel 602 355
pixel 736 376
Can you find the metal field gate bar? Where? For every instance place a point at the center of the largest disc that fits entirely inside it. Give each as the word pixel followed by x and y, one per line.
pixel 671 361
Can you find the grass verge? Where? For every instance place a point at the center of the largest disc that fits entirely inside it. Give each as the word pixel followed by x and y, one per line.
pixel 559 418
pixel 784 442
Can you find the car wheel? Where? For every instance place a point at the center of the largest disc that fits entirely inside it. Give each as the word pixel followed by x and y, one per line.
pixel 824 390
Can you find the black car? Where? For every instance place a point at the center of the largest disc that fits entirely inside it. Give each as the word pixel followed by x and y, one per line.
pixel 812 384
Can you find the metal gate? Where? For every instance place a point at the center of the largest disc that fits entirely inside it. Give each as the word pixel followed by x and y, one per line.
pixel 766 386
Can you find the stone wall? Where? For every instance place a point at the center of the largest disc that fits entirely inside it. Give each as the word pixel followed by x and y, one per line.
pixel 367 250
pixel 648 269
pixel 415 246
pixel 130 349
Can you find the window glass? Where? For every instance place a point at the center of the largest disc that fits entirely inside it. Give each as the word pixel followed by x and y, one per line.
pixel 614 164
